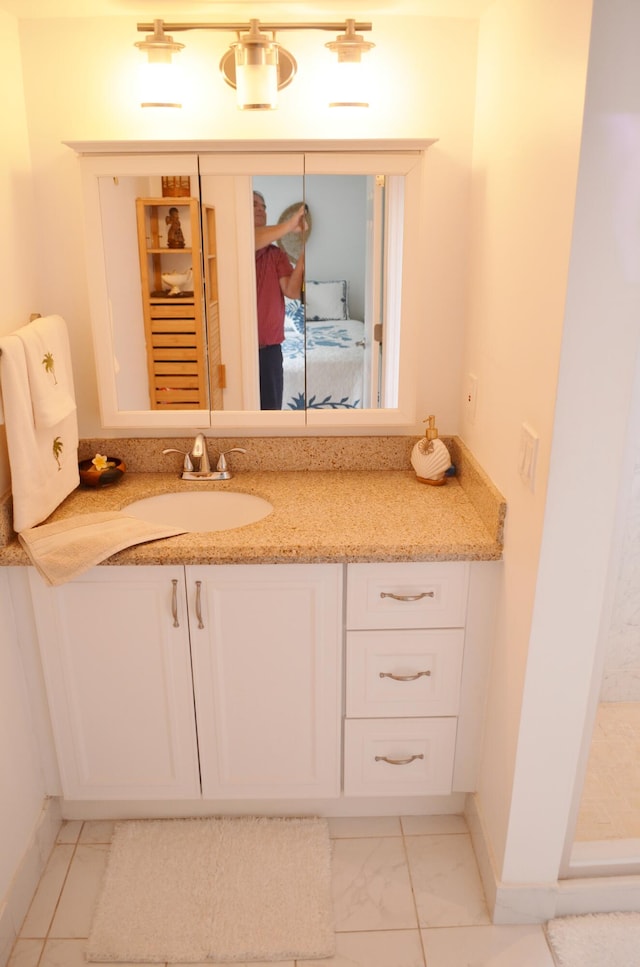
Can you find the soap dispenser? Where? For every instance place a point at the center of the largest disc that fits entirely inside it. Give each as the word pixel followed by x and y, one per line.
pixel 430 458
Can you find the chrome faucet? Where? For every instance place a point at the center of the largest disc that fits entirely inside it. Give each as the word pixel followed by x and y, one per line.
pixel 196 464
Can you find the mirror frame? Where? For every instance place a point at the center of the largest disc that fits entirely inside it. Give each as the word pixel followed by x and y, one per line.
pixel 113 159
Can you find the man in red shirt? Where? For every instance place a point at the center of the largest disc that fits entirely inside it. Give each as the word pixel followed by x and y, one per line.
pixel 275 279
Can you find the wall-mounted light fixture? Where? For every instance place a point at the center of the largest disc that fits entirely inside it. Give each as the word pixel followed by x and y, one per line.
pixel 255 65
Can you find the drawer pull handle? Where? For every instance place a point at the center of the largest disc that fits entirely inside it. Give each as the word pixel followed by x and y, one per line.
pixel 408 597
pixel 174 603
pixel 199 604
pixel 404 678
pixel 399 762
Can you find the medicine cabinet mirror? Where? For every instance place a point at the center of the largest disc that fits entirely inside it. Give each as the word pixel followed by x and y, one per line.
pixel 171 270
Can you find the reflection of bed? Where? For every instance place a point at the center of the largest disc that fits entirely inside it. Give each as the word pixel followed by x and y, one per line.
pixel 330 344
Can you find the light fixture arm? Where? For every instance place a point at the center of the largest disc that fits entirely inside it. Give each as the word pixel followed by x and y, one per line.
pixel 244 27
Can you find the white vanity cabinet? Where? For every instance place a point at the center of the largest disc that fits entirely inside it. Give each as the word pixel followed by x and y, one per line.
pixel 405 647
pixel 115 651
pixel 266 647
pixel 221 686
pixel 118 647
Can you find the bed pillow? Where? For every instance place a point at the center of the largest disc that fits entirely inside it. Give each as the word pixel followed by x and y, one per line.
pixel 326 300
pixel 294 315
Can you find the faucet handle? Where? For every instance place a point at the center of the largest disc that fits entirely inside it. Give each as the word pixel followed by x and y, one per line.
pixel 222 459
pixel 187 465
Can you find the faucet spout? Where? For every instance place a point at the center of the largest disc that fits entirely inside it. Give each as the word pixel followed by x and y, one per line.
pixel 199 455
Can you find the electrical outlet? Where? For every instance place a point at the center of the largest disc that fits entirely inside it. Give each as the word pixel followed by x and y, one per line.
pixel 528 455
pixel 471 396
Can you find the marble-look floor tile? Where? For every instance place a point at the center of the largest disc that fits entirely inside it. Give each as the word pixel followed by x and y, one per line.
pixel 38 919
pixel 253 963
pixel 97 831
pixel 371 886
pixel 347 827
pixel 518 946
pixel 26 953
pixel 433 825
pixel 446 882
pixel 63 953
pixel 82 887
pixel 379 948
pixel 69 831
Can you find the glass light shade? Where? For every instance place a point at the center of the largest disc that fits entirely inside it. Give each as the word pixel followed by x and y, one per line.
pixel 160 83
pixel 349 84
pixel 256 76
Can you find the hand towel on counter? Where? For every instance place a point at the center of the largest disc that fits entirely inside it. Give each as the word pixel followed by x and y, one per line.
pixel 44 463
pixel 46 349
pixel 66 548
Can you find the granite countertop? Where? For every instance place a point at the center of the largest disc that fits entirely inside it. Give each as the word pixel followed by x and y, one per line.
pixel 337 515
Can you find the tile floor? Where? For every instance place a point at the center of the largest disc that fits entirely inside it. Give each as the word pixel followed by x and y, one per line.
pixel 407 893
pixel 611 793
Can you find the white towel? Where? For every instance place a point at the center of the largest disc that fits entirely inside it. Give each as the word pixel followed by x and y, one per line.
pixel 46 348
pixel 65 548
pixel 44 463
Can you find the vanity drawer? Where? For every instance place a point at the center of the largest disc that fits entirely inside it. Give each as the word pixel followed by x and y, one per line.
pixel 399 757
pixel 407 595
pixel 401 674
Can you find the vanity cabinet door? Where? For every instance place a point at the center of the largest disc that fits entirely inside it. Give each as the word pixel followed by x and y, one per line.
pixel 115 652
pixel 266 645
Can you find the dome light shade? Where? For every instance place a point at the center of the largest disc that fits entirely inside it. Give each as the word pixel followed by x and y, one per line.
pixel 256 61
pixel 159 81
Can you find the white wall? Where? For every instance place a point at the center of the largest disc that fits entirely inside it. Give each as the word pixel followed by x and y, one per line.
pixel 531 76
pixel 621 677
pixel 80 85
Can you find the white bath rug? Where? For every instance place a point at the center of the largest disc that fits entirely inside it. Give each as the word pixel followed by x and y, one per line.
pixel 596 940
pixel 224 890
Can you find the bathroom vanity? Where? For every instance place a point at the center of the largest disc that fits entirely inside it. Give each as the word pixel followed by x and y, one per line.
pixel 332 657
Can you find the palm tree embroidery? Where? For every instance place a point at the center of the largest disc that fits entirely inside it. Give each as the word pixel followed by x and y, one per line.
pixel 58 447
pixel 49 365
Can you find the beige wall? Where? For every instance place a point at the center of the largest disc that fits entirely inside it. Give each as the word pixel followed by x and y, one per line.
pixel 18 256
pixel 22 786
pixel 80 85
pixel 553 335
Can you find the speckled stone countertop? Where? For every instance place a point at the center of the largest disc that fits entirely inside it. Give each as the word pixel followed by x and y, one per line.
pixel 339 515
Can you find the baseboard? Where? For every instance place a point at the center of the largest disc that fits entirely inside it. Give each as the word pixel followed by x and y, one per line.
pixel 521 903
pixel 508 903
pixel 182 808
pixel 27 876
pixel 598 894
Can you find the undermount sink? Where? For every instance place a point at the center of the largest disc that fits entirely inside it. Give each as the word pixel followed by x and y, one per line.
pixel 210 511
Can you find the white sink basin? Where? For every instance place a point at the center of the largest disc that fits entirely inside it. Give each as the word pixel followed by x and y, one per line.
pixel 219 510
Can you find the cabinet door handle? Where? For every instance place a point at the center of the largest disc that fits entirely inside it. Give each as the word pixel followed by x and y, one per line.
pixel 408 597
pixel 404 678
pixel 398 762
pixel 174 603
pixel 199 604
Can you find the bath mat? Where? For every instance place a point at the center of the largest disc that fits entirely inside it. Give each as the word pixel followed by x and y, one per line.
pixel 222 890
pixel 595 940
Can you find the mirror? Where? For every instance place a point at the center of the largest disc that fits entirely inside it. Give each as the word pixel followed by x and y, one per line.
pixel 346 351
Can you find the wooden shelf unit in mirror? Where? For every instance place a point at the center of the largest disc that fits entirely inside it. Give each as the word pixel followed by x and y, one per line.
pixel 175 321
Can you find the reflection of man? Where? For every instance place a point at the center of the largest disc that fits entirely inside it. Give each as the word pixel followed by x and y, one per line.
pixel 275 279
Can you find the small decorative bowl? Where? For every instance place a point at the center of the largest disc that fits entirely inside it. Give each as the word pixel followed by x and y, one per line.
pixel 90 477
